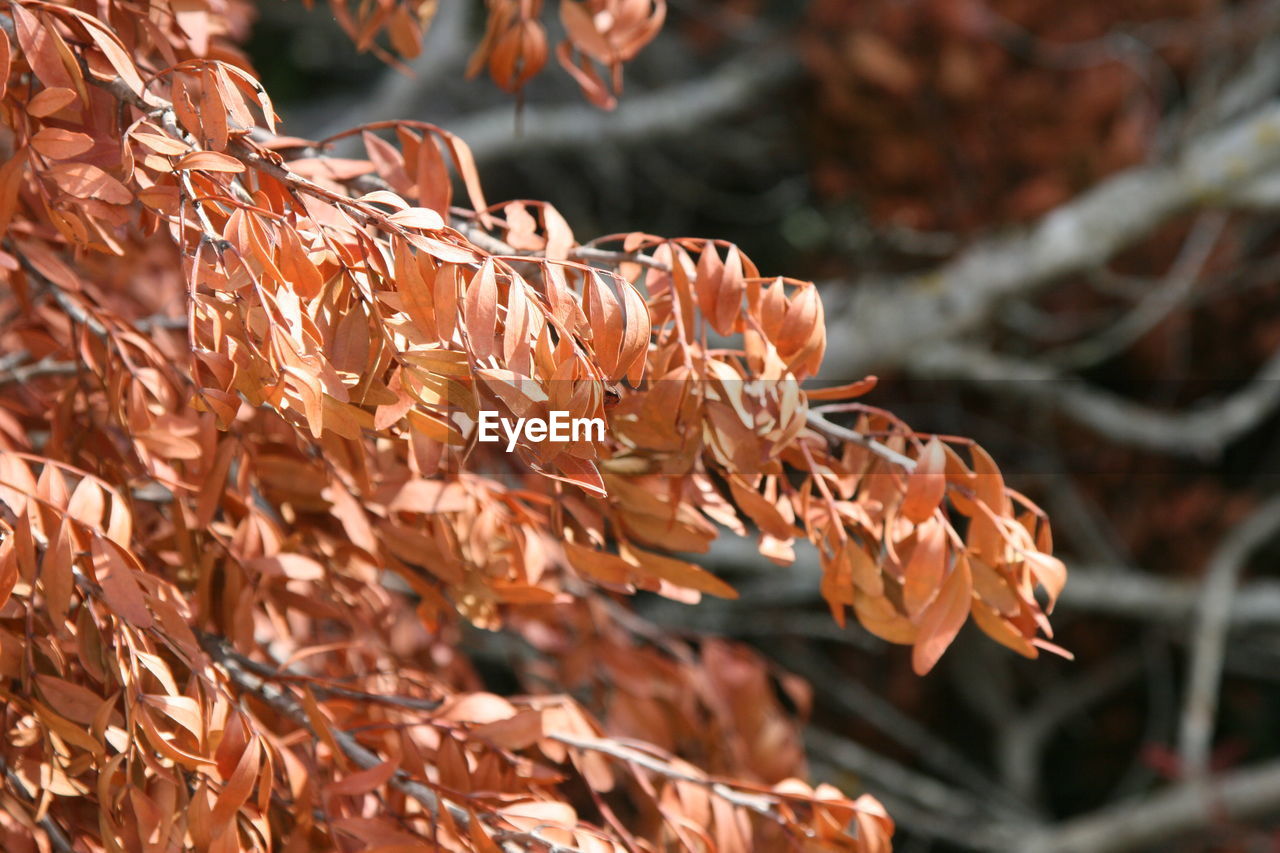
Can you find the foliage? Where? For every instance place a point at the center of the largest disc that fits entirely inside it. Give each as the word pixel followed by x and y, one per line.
pixel 242 503
pixel 599 34
pixel 960 114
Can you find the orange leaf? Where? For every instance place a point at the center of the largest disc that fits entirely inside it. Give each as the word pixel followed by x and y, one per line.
pixel 604 314
pixel 598 565
pixel 926 484
pixel 238 787
pixel 209 161
pixel 6 61
pixel 59 144
pixel 924 571
pixel 843 392
pixel 418 217
pixel 480 311
pixel 8 569
pixel 161 144
pixel 943 618
pixel 84 180
pixel 634 349
pixel 520 731
pixel 435 189
pixel 680 573
pixel 111 47
pixel 581 28
pixel 759 509
pixel 49 101
pixel 119 587
pixel 364 781
pixel 477 708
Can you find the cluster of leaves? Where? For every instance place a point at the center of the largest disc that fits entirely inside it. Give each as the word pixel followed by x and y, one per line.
pixel 959 115
pixel 242 503
pixel 599 35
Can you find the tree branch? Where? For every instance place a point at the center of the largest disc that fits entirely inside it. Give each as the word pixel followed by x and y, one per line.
pixel 44 367
pixel 1159 818
pixel 1203 430
pixel 1155 305
pixel 887 320
pixel 667 111
pixel 245 674
pixel 884 774
pixel 1209 640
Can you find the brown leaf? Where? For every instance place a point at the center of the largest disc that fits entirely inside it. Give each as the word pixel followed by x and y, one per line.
pixel 926 484
pixel 49 101
pixel 943 618
pixel 236 791
pixel 59 144
pixel 119 587
pixel 364 781
pixel 209 161
pixel 480 311
pixel 84 180
pixel 924 572
pixel 679 572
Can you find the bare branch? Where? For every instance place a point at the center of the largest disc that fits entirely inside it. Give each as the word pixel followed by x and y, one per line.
pixel 854 698
pixel 1160 818
pixel 1155 306
pixel 759 803
pixel 43 367
pixel 1203 430
pixel 882 774
pixel 839 433
pixel 1022 738
pixel 1209 643
pixel 667 111
pixel 888 319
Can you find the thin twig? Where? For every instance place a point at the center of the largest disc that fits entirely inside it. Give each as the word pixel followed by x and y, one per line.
pixel 243 672
pixel 43 367
pixel 608 256
pixel 840 433
pixel 758 803
pixel 257 678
